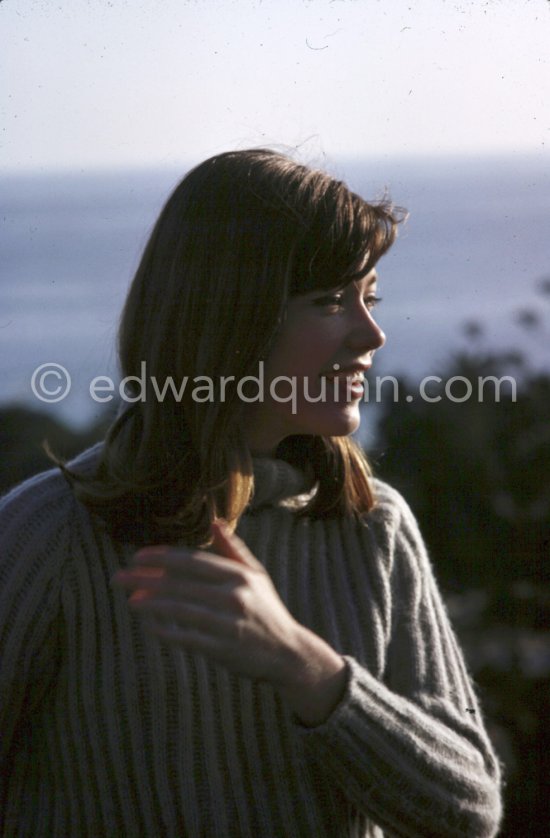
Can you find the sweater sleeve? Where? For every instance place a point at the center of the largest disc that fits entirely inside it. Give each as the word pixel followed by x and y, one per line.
pixel 412 752
pixel 34 541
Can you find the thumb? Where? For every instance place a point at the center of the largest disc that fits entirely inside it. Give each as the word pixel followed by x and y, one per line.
pixel 229 545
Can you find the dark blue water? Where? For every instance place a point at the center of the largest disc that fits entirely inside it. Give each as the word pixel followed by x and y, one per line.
pixel 475 247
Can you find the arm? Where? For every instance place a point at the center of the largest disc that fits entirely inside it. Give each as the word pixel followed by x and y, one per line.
pixel 409 751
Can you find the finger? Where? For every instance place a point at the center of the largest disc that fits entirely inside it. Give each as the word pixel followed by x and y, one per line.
pixel 140 595
pixel 155 549
pixel 146 577
pixel 213 596
pixel 222 541
pixel 230 545
pixel 147 587
pixel 189 564
pixel 184 615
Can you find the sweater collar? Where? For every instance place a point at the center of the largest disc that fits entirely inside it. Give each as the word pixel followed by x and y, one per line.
pixel 277 483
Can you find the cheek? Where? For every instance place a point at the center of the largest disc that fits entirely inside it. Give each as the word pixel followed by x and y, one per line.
pixel 300 355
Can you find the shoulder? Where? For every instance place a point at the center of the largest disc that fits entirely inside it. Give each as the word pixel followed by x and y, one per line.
pixel 393 524
pixel 390 508
pixel 39 513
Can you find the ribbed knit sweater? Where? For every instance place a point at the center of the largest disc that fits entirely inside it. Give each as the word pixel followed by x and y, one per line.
pixel 107 732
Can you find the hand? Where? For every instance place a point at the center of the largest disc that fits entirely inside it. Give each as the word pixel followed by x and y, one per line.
pixel 223 606
pixel 226 607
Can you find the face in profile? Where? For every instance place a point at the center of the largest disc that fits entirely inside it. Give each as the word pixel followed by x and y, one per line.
pixel 325 346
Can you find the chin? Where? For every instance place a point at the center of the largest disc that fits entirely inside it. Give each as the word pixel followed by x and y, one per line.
pixel 342 422
pixel 346 430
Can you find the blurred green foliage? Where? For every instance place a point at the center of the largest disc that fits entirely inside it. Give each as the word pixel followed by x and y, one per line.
pixel 477 475
pixel 23 433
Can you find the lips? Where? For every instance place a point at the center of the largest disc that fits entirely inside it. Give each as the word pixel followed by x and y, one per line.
pixel 348 382
pixel 352 381
pixel 352 371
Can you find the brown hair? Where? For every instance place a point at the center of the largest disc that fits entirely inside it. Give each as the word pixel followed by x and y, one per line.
pixel 239 235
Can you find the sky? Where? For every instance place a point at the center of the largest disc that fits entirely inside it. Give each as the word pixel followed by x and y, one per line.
pixel 143 83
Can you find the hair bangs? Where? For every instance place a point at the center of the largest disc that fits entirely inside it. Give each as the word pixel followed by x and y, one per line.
pixel 344 240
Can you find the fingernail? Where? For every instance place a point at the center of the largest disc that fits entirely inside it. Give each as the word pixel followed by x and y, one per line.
pixel 138 596
pixel 147 552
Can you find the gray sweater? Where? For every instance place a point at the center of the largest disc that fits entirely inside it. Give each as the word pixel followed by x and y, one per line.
pixel 107 732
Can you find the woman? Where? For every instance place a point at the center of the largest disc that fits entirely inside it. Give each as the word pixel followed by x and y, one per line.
pixel 283 665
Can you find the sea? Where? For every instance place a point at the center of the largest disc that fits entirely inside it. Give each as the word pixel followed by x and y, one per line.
pixel 470 269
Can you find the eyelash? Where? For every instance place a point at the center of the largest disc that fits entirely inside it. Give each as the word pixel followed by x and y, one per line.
pixel 338 299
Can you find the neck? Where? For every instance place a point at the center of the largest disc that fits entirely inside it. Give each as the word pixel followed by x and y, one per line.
pixel 261 442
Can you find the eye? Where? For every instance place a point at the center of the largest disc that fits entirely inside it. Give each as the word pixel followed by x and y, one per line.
pixel 330 301
pixel 371 301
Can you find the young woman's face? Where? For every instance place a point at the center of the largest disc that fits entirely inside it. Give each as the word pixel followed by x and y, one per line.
pixel 326 344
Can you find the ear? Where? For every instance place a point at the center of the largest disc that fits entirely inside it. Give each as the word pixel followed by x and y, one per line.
pixel 229 545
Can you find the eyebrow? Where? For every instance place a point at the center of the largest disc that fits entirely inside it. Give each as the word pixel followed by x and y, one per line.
pixel 373 280
pixel 357 278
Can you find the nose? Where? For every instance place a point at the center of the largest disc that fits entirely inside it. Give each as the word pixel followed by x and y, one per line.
pixel 366 334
